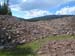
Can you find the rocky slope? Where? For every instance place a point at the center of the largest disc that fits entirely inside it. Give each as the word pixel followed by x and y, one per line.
pixel 58 48
pixel 21 31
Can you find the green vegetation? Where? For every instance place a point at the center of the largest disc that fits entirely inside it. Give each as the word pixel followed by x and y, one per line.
pixel 4 9
pixel 35 45
pixel 30 48
pixel 27 51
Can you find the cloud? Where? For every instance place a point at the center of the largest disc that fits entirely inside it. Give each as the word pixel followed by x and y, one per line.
pixel 66 11
pixel 13 2
pixel 36 13
pixel 35 4
pixel 42 4
pixel 24 0
pixel 15 7
pixel 1 3
pixel 32 13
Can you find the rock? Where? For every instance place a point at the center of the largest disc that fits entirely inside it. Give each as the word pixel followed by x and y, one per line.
pixel 16 30
pixel 23 41
pixel 60 48
pixel 1 47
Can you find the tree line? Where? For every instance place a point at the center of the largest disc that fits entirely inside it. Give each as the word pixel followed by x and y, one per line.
pixel 4 8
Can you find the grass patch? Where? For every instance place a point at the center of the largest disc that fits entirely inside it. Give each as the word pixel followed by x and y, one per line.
pixel 35 45
pixel 27 51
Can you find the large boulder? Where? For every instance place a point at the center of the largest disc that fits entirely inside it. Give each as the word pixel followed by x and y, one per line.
pixel 5 39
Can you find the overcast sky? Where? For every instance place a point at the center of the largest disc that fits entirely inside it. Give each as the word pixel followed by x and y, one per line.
pixel 35 8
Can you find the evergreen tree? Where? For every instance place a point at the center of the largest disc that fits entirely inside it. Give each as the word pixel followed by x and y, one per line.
pixel 0 9
pixel 9 12
pixel 5 10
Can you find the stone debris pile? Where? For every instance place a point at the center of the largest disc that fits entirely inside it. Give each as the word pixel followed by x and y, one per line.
pixel 58 48
pixel 21 31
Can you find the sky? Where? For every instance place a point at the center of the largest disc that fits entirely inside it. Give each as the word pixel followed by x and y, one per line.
pixel 35 8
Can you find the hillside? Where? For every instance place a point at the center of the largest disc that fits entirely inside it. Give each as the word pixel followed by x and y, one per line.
pixel 23 31
pixel 47 17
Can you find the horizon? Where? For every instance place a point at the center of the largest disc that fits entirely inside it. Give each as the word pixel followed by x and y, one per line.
pixel 33 8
